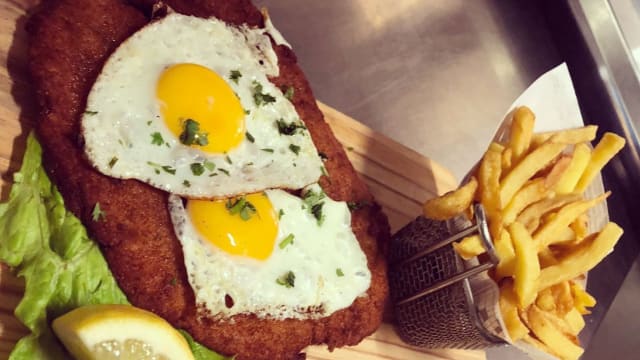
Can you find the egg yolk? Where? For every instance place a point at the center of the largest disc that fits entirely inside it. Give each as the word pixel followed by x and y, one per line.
pixel 191 91
pixel 245 226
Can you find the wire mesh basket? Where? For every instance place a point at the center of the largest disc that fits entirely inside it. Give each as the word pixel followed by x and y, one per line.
pixel 433 301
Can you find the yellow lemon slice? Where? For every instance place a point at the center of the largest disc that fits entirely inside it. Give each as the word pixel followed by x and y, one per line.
pixel 119 332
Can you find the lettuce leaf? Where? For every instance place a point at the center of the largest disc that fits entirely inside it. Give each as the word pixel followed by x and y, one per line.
pixel 62 267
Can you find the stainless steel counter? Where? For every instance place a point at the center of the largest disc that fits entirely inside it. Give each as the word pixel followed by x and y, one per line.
pixel 437 76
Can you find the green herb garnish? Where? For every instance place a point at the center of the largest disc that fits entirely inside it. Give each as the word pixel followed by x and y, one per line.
pixel 166 168
pixel 286 241
pixel 316 210
pixel 197 169
pixel 228 159
pixel 225 171
pixel 173 282
pixel 209 165
pixel 156 139
pixel 249 137
pixel 113 161
pixel 97 214
pixel 269 150
pixel 186 183
pixel 289 93
pixel 339 272
pixel 259 97
pixel 287 280
pixel 89 112
pixel 240 206
pixel 294 148
pixel 280 213
pixel 235 75
pixel 191 134
pixel 324 171
pixel 290 128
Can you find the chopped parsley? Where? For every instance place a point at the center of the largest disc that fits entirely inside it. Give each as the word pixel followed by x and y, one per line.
pixel 287 280
pixel 280 213
pixel 249 137
pixel 156 139
pixel 259 97
pixel 314 202
pixel 89 112
pixel 350 148
pixel 240 206
pixel 290 128
pixel 339 272
pixel 324 171
pixel 191 134
pixel 323 156
pixel 316 211
pixel 149 122
pixel 224 171
pixel 112 162
pixel 197 169
pixel 97 214
pixel 247 111
pixel 209 165
pixel 286 241
pixel 173 282
pixel 269 150
pixel 235 75
pixel 289 93
pixel 169 169
pixel 228 159
pixel 294 148
pixel 186 183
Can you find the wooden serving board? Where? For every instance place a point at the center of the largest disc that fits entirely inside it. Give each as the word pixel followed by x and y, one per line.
pixel 400 179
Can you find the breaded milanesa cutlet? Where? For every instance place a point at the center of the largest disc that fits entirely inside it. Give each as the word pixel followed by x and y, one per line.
pixel 69 42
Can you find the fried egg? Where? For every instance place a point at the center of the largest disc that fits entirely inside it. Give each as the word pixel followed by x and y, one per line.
pixel 185 105
pixel 271 254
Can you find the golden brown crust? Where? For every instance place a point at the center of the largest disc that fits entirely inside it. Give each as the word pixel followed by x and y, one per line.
pixel 137 237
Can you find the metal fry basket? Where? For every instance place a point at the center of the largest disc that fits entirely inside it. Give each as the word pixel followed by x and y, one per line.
pixel 432 297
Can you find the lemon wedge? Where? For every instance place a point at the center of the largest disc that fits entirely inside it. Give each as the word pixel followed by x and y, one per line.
pixel 119 332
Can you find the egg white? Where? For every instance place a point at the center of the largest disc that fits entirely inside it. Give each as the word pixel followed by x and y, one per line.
pixel 329 266
pixel 122 113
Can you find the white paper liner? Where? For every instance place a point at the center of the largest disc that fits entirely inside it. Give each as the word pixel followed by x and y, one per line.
pixel 553 101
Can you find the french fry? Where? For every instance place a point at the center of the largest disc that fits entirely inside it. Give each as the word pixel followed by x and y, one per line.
pixel 546 257
pixel 574 321
pixel 526 168
pixel 609 145
pixel 567 137
pixel 563 298
pixel 506 254
pixel 545 300
pixel 580 227
pixel 581 299
pixel 521 132
pixel 583 258
pixel 489 183
pixel 539 344
pixel 452 203
pixel 544 330
pixel 527 267
pixel 579 162
pixel 557 171
pixel 469 247
pixel 548 233
pixel 509 310
pixel 532 191
pixel 531 215
pixel 507 159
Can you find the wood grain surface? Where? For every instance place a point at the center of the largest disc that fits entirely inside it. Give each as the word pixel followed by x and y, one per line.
pixel 399 178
